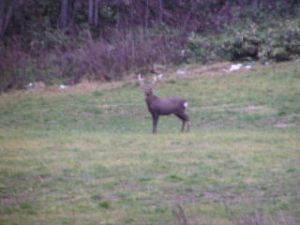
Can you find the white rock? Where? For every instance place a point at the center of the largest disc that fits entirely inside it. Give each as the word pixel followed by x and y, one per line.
pixel 235 67
pixel 160 76
pixel 29 85
pixel 180 72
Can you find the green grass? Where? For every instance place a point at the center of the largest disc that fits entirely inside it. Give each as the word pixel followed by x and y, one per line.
pixel 88 157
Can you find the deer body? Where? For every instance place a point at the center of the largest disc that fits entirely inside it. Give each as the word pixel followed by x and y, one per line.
pixel 165 105
pixel 161 106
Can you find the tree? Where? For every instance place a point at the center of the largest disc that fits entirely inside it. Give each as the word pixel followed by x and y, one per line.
pixel 7 10
pixel 93 12
pixel 64 13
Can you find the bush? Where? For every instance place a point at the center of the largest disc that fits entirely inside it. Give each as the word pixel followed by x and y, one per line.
pixel 205 49
pixel 243 44
pixel 123 53
pixel 269 41
pixel 283 41
pixel 56 57
pixel 14 65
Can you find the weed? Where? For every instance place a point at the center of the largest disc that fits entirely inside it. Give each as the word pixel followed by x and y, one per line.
pixel 105 205
pixel 96 197
pixel 28 208
pixel 98 93
pixel 175 178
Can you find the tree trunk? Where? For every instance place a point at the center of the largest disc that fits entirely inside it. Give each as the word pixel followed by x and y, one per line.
pixel 3 15
pixel 147 15
pixel 96 13
pixel 7 9
pixel 91 12
pixel 64 15
pixel 161 11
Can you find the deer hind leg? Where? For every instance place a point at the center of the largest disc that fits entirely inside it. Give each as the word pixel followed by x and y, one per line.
pixel 185 121
pixel 189 124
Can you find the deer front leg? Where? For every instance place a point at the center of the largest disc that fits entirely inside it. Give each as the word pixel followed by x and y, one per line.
pixel 185 120
pixel 155 121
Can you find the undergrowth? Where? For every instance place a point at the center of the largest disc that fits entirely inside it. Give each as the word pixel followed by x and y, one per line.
pixel 275 40
pixel 55 57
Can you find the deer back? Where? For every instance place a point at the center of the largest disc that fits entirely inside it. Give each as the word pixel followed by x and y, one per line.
pixel 166 105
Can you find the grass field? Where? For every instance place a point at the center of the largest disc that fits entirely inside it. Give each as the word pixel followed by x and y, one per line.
pixel 87 155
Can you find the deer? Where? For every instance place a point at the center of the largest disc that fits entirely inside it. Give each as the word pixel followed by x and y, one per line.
pixel 163 106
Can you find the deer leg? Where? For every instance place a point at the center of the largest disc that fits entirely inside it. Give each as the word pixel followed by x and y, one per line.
pixel 155 121
pixel 185 121
pixel 189 124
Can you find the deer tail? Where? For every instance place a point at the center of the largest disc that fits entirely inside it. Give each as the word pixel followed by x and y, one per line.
pixel 185 104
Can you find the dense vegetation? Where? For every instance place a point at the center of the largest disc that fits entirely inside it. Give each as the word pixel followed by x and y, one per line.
pixel 68 40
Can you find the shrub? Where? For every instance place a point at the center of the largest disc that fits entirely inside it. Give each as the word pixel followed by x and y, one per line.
pixel 283 41
pixel 56 58
pixel 13 67
pixel 123 53
pixel 205 49
pixel 244 44
pixel 269 41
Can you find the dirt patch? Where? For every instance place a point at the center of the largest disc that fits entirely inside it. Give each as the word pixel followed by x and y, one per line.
pixel 255 218
pixel 123 109
pixel 207 70
pixel 258 109
pixel 284 123
pixel 193 71
pixel 187 197
pixel 250 109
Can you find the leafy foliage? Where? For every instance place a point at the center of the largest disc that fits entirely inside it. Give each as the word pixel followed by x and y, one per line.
pixel 278 41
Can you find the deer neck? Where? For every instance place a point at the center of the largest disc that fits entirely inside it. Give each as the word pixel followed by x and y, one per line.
pixel 150 98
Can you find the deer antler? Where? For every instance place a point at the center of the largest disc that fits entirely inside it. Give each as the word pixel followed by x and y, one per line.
pixel 157 78
pixel 141 80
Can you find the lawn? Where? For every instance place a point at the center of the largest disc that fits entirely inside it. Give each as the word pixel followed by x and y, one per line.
pixel 87 155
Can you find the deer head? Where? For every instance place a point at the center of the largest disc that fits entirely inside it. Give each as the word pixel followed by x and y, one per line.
pixel 148 87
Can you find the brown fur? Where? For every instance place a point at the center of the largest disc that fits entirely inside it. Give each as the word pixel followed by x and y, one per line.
pixel 161 106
